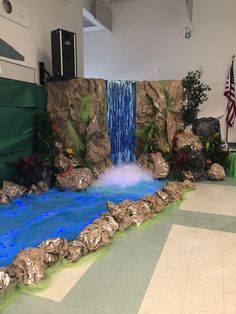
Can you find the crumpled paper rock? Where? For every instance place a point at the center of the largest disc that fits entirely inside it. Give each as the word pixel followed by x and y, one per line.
pixel 55 248
pixel 28 266
pixel 5 279
pixel 38 189
pixel 187 138
pixel 187 175
pixel 99 232
pixel 163 196
pixel 156 164
pixel 216 173
pixel 187 184
pixel 129 213
pixel 10 190
pixel 173 190
pixel 76 250
pixel 4 199
pixel 75 179
pixel 156 203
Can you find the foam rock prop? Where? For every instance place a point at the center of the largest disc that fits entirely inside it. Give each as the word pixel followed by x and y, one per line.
pixel 99 232
pixel 76 249
pixel 101 167
pixel 5 279
pixel 75 179
pixel 187 138
pixel 98 147
pixel 206 127
pixel 129 213
pixel 28 266
pixel 151 108
pixel 10 190
pixel 216 173
pixel 173 190
pixel 156 203
pixel 55 248
pixel 156 164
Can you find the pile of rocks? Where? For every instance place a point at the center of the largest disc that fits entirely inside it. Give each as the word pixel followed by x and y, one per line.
pixel 12 190
pixel 30 264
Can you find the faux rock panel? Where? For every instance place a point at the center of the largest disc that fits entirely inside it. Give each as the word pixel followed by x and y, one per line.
pixel 78 109
pixel 161 102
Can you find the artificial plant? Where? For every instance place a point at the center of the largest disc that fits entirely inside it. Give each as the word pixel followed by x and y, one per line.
pixel 40 165
pixel 195 94
pixel 214 152
pixel 148 135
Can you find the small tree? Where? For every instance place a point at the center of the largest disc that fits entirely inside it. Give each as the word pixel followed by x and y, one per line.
pixel 195 94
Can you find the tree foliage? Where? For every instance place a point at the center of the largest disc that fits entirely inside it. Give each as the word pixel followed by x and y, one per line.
pixel 195 94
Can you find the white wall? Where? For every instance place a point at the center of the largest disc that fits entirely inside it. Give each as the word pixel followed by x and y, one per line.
pixel 35 43
pixel 146 44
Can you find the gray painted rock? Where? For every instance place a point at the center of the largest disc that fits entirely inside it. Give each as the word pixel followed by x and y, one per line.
pixel 206 127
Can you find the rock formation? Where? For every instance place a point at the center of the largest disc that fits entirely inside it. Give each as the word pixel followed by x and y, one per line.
pixel 75 179
pixel 156 164
pixel 9 191
pixel 216 173
pixel 161 102
pixel 78 108
pixel 206 127
pixel 28 266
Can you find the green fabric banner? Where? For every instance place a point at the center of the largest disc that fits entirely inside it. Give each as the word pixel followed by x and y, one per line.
pixel 232 158
pixel 19 102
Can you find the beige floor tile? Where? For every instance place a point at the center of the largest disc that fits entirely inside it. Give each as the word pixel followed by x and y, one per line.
pixel 200 256
pixel 166 290
pixel 62 282
pixel 198 296
pixel 151 306
pixel 218 200
pixel 171 269
pixel 208 275
pixel 177 253
pixel 230 298
pixel 191 310
pixel 202 283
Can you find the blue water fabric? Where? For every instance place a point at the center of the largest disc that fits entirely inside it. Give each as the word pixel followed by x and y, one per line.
pixel 29 220
pixel 121 103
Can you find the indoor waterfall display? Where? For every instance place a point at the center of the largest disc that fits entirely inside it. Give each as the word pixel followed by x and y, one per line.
pixel 121 102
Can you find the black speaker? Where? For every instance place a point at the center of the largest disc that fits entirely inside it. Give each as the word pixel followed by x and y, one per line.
pixel 64 54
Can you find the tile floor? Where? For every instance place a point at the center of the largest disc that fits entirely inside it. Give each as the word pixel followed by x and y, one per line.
pixel 196 273
pixel 184 263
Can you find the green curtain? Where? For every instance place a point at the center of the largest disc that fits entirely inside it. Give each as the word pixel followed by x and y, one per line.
pixel 19 102
pixel 232 158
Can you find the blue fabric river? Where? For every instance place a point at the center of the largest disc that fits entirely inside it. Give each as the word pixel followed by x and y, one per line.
pixel 29 220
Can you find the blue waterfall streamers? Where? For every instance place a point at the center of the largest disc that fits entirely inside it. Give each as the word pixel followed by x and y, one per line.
pixel 121 101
